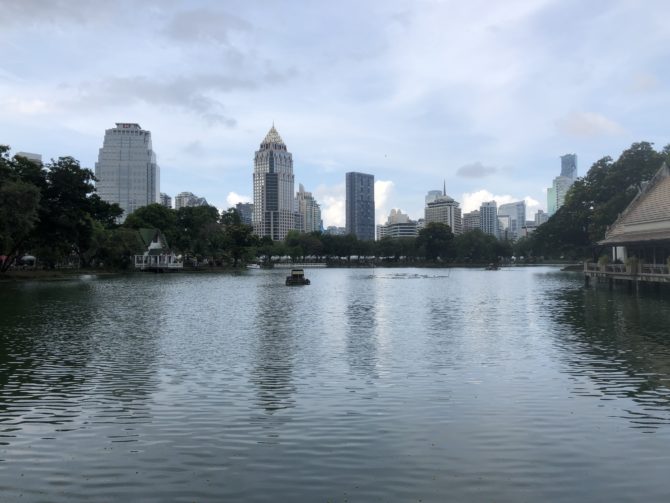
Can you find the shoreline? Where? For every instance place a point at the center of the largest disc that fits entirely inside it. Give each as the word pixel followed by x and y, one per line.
pixel 70 274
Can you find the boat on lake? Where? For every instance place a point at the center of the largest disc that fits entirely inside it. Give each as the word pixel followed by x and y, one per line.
pixel 492 267
pixel 297 277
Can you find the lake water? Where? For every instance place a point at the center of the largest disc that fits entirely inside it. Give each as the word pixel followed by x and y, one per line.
pixel 369 385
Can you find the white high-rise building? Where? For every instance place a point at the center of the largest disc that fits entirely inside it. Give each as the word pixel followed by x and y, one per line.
pixel 309 209
pixel 126 170
pixel 561 184
pixel 445 210
pixel 274 215
pixel 488 218
pixel 517 213
pixel 398 225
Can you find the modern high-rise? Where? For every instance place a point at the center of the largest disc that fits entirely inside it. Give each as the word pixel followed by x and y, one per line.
pixel 166 200
pixel 569 166
pixel 309 209
pixel 488 214
pixel 126 171
pixel 557 192
pixel 561 184
pixel 246 212
pixel 471 221
pixel 398 225
pixel 274 215
pixel 360 205
pixel 517 213
pixel 432 195
pixel 445 210
pixel 540 218
pixel 188 199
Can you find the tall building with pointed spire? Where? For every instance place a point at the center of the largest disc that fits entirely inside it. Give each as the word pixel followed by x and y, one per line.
pixel 445 210
pixel 274 215
pixel 126 170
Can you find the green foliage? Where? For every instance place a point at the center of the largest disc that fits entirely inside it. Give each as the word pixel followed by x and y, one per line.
pixel 436 239
pixel 594 202
pixel 478 247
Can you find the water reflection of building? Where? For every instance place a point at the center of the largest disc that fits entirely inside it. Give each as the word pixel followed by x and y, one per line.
pixel 272 373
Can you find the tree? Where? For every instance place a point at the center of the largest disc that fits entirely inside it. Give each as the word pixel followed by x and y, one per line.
pixel 594 202
pixel 154 216
pixel 19 204
pixel 65 224
pixel 239 238
pixel 436 240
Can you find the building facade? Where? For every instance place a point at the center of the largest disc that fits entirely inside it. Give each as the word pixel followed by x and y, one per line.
pixel 309 210
pixel 398 225
pixel 540 218
pixel 562 183
pixel 166 200
pixel 186 199
pixel 274 215
pixel 444 210
pixel 471 221
pixel 126 170
pixel 360 205
pixel 517 217
pixel 557 192
pixel 246 212
pixel 569 166
pixel 488 214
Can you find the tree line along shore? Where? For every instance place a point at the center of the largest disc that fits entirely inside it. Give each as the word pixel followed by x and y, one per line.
pixel 52 212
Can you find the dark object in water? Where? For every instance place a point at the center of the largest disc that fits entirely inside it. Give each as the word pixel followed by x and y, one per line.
pixel 297 277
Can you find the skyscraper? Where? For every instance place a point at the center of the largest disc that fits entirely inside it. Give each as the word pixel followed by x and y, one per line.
pixel 562 183
pixel 186 199
pixel 488 215
pixel 309 209
pixel 444 209
pixel 166 200
pixel 274 215
pixel 126 170
pixel 471 221
pixel 569 166
pixel 360 205
pixel 517 214
pixel 245 211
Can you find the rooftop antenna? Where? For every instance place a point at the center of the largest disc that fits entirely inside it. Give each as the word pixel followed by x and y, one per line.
pixel 444 190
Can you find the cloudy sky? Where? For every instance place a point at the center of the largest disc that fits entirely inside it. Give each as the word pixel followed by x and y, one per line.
pixel 483 94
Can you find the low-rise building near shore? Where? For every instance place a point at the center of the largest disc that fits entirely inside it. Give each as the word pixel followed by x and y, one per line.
pixel 638 242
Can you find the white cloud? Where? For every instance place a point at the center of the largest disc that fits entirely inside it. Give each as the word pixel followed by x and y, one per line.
pixel 588 124
pixel 383 190
pixel 331 200
pixel 25 106
pixel 233 198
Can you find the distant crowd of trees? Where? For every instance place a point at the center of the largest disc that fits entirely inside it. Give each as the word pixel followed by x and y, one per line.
pixel 53 212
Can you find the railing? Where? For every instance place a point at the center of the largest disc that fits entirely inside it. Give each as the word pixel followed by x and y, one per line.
pixel 627 270
pixel 157 262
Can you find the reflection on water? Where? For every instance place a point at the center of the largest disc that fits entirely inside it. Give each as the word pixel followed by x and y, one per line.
pixel 621 343
pixel 275 333
pixel 367 385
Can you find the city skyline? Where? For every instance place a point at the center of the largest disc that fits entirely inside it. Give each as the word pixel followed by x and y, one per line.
pixel 371 95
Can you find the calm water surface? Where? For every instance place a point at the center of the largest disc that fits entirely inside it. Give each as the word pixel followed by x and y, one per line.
pixel 369 385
